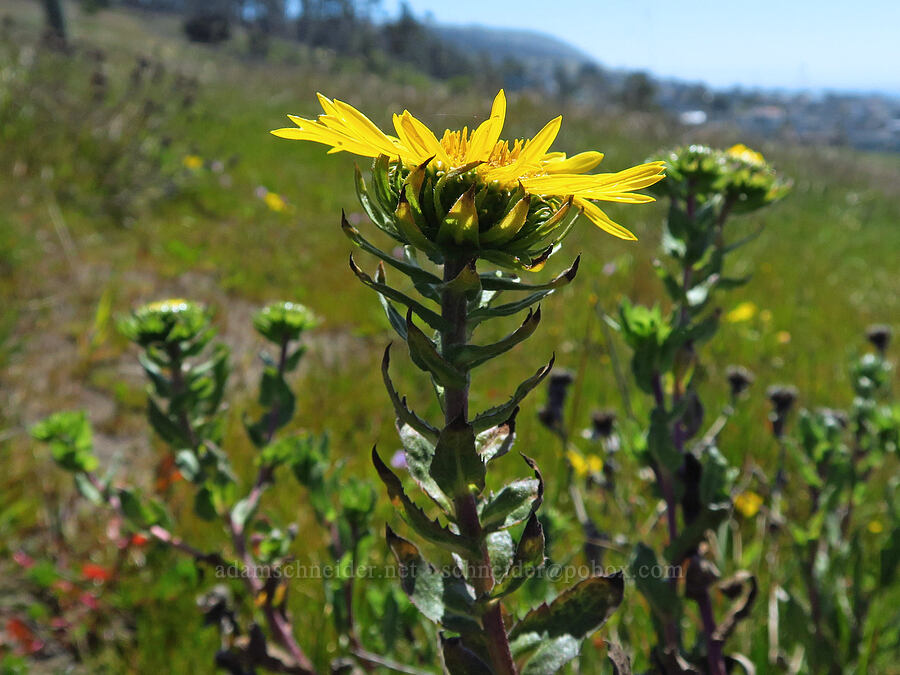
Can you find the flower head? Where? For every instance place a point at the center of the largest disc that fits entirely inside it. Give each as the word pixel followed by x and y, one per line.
pixel 493 194
pixel 748 503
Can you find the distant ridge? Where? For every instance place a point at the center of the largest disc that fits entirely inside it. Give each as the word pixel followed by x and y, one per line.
pixel 533 48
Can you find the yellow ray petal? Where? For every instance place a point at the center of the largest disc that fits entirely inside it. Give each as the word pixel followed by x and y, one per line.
pixel 580 163
pixel 321 134
pixel 485 137
pixel 568 184
pixel 537 147
pixel 595 215
pixel 362 127
pixel 418 138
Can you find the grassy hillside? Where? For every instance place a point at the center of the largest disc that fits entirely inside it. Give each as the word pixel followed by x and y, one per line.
pixel 199 225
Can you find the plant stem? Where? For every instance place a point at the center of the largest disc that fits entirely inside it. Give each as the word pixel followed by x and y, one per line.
pixel 713 642
pixel 456 406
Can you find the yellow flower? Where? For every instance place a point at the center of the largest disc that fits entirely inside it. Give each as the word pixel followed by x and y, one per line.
pixel 743 312
pixel 528 163
pixel 745 154
pixel 875 527
pixel 192 162
pixel 583 466
pixel 783 337
pixel 748 503
pixel 275 202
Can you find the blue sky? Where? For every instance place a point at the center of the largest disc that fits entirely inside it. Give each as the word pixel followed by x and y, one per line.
pixel 765 43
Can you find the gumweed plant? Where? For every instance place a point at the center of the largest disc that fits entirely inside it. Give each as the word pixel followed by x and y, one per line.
pixel 188 371
pixel 834 606
pixel 469 210
pixel 704 187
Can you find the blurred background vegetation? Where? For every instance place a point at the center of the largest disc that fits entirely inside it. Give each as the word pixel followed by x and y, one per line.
pixel 136 165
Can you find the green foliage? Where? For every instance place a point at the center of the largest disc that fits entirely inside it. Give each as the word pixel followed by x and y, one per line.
pixel 71 440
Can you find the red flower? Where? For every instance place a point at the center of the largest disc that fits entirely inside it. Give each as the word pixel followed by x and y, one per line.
pixel 93 572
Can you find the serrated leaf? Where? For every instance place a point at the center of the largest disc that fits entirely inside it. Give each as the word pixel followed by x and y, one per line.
pixel 552 655
pixel 419 452
pixel 477 316
pixel 443 598
pixel 497 441
pixel 411 270
pixel 501 550
pixel 501 413
pixel 459 660
pixel 528 558
pixel 404 414
pixel 430 317
pixel 456 465
pixel 496 282
pixel 578 610
pixel 511 505
pixel 425 355
pixel 472 356
pixel 431 530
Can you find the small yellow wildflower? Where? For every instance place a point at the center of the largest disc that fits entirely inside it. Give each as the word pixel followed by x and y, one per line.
pixel 523 162
pixel 783 337
pixel 748 503
pixel 168 305
pixel 584 466
pixel 275 202
pixel 192 162
pixel 745 154
pixel 875 527
pixel 743 312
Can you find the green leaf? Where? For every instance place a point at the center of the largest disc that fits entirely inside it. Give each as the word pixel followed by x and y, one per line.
pixel 188 465
pixel 204 505
pixel 242 512
pixel 443 598
pixel 456 466
pixel 467 282
pixel 690 537
pixel 432 318
pixel 425 355
pixel 404 414
pixel 419 452
pixel 528 559
pixel 71 440
pixel 413 271
pixel 578 610
pixel 471 356
pixel 478 315
pixel 511 505
pixel 660 594
pixel 497 441
pixel 659 441
pixel 498 282
pixel 501 550
pixel 501 413
pixel 552 655
pixel 431 530
pixel 397 321
pixel 169 431
pixel 87 489
pixel 459 660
